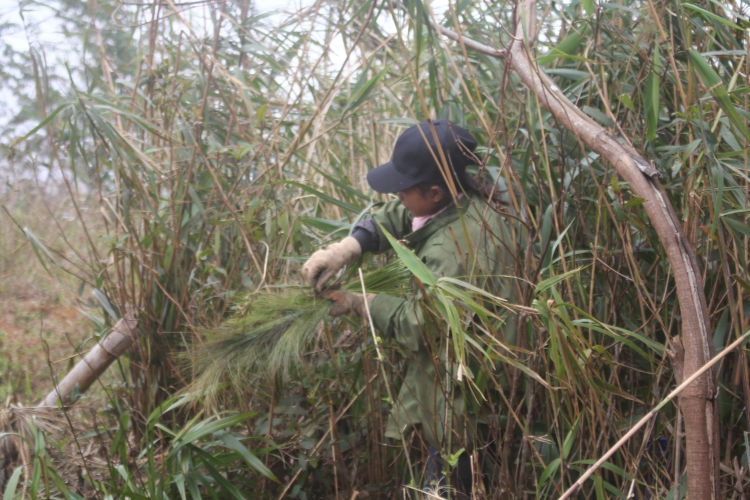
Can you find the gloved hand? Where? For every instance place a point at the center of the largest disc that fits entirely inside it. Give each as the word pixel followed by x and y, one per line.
pixel 324 264
pixel 348 303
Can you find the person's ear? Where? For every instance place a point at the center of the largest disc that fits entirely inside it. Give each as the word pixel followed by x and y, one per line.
pixel 437 194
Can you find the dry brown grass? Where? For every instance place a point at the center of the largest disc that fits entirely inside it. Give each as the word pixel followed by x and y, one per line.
pixel 39 308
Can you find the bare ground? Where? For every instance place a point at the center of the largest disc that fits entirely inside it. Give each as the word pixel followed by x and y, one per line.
pixel 37 335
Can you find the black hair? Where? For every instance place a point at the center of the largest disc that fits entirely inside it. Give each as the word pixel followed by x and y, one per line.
pixel 468 184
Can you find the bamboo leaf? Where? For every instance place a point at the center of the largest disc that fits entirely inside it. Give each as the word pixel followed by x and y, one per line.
pixel 327 225
pixel 208 427
pixel 570 438
pixel 325 197
pixel 219 478
pixel 711 15
pixel 412 262
pixel 606 465
pixel 37 245
pixel 347 188
pixel 599 488
pixel 743 282
pixel 543 285
pixel 42 124
pixel 598 116
pixel 548 472
pixel 626 101
pixel 716 87
pixel 590 322
pixel 364 87
pixel 588 5
pixel 179 481
pixel 736 226
pixel 105 303
pixel 10 488
pixel 522 367
pixel 568 47
pixel 253 461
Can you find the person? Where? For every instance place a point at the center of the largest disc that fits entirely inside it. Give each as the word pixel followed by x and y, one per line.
pixel 456 235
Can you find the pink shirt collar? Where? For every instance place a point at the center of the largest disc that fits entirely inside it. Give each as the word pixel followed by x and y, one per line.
pixel 419 222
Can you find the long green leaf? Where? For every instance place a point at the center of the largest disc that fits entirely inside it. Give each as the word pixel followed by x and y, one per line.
pixel 216 475
pixel 711 15
pixel 543 285
pixel 208 427
pixel 548 472
pixel 325 197
pixel 364 88
pixel 588 6
pixel 412 262
pixel 716 87
pixel 253 461
pixel 570 439
pixel 43 123
pixel 10 488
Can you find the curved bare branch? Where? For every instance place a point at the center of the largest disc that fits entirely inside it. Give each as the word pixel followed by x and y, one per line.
pixel 697 400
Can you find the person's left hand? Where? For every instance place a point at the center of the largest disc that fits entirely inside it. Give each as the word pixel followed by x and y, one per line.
pixel 348 303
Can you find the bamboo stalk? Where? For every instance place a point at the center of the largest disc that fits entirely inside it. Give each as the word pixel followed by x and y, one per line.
pixel 95 363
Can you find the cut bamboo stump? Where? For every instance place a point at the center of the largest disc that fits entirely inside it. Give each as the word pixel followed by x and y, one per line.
pixel 96 362
pixel 14 437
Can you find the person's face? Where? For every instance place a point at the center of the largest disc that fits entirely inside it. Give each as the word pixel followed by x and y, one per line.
pixel 422 202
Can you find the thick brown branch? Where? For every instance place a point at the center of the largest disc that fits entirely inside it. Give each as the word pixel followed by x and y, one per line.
pixel 697 402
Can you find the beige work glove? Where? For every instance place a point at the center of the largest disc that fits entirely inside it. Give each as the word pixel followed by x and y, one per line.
pixel 348 303
pixel 325 263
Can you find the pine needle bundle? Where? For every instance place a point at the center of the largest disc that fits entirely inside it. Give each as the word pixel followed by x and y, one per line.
pixel 268 337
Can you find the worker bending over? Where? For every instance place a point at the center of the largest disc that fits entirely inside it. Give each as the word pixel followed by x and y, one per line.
pixel 461 237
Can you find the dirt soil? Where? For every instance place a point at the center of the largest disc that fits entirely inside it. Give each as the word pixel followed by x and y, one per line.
pixel 38 335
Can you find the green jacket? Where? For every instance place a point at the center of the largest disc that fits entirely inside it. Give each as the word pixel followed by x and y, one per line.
pixel 427 398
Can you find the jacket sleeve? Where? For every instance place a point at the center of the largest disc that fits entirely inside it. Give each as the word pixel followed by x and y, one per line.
pixel 396 219
pixel 399 317
pixel 367 235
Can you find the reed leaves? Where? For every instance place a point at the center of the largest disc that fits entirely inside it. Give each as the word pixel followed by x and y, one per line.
pixel 231 143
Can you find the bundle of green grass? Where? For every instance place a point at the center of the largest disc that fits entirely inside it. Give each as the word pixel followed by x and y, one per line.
pixel 269 335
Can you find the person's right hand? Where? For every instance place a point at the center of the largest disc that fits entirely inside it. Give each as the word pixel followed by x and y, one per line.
pixel 325 263
pixel 348 303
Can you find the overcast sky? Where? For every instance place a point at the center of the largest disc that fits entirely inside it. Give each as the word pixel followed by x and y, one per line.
pixel 43 29
pixel 40 18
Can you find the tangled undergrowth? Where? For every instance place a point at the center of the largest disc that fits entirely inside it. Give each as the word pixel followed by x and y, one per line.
pixel 205 149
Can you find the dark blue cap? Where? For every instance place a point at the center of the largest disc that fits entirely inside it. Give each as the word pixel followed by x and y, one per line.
pixel 416 156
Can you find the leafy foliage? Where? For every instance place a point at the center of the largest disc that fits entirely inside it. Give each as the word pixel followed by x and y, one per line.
pixel 233 145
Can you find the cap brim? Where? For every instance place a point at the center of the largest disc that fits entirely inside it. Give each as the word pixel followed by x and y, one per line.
pixel 386 179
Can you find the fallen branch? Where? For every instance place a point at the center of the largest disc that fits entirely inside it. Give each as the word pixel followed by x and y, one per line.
pixel 96 362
